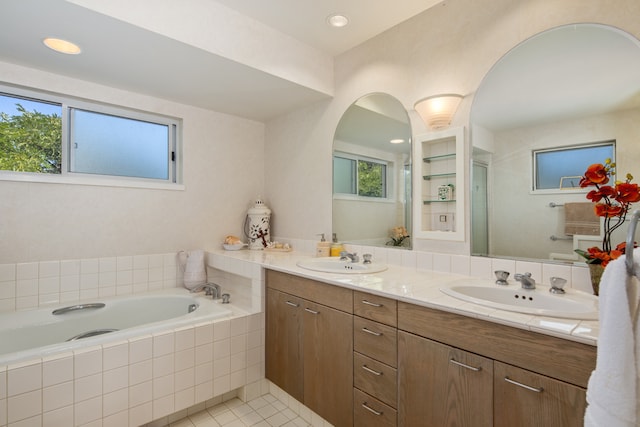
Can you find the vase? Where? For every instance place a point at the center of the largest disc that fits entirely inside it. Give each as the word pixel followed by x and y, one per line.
pixel 595 271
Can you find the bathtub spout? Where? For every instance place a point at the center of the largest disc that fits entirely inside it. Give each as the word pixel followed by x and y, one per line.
pixel 211 289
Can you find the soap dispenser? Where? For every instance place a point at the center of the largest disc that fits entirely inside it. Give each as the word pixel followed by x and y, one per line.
pixel 336 247
pixel 323 247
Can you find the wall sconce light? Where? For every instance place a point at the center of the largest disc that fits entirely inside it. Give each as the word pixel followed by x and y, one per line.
pixel 438 110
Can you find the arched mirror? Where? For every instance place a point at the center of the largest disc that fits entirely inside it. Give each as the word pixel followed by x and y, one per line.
pixel 372 173
pixel 566 92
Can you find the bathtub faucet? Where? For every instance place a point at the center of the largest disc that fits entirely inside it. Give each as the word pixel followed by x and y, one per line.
pixel 211 289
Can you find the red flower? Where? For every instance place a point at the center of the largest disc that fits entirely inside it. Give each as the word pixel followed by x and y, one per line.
pixel 612 204
pixel 602 209
pixel 627 192
pixel 595 174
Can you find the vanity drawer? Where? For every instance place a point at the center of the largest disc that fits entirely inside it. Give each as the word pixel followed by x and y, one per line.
pixel 375 340
pixel 370 412
pixel 375 378
pixel 374 307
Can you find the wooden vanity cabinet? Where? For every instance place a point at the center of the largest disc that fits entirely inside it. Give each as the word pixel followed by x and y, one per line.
pixel 442 385
pixel 526 378
pixel 309 344
pixel 524 398
pixel 375 360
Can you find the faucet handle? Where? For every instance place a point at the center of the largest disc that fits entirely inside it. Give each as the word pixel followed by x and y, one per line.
pixel 501 277
pixel 366 258
pixel 557 284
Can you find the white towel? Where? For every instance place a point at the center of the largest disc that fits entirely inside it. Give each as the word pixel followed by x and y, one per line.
pixel 613 389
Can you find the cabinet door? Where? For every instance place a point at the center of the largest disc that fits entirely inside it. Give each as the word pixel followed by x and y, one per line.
pixel 442 386
pixel 527 399
pixel 328 363
pixel 283 346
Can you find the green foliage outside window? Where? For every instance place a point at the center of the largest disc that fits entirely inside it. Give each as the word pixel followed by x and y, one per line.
pixel 371 179
pixel 31 142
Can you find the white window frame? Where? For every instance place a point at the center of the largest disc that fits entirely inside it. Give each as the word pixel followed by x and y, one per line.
pixel 173 181
pixel 534 190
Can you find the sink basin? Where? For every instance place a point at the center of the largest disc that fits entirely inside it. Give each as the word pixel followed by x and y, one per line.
pixel 539 301
pixel 334 265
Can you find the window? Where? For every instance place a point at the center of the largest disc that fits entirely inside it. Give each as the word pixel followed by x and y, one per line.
pixel 561 169
pixel 359 176
pixel 48 134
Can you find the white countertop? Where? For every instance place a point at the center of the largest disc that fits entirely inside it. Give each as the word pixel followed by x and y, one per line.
pixel 422 287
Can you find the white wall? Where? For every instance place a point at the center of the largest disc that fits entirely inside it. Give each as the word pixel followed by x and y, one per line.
pixel 223 173
pixel 446 49
pixel 512 202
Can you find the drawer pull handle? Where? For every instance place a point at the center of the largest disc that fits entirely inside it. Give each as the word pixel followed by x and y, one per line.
pixel 292 304
pixel 365 406
pixel 311 311
pixel 364 301
pixel 473 368
pixel 528 387
pixel 369 331
pixel 368 369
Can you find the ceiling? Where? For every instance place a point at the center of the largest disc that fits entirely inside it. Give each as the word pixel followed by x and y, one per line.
pixel 305 20
pixel 122 55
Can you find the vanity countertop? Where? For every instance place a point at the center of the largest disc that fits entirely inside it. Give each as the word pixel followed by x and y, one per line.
pixel 422 287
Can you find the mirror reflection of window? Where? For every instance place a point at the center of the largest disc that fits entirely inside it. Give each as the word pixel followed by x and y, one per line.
pixel 562 168
pixel 364 178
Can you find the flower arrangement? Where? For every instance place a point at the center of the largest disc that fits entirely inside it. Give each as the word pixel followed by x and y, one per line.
pixel 611 203
pixel 398 235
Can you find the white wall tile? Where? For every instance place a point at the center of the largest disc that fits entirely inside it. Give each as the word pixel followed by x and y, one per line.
pixel 481 267
pixel 89 266
pixel 115 355
pixel 88 410
pixel 163 365
pixel 163 406
pixel 87 361
pixel 49 269
pixel 57 396
pixel 87 387
pixel 184 338
pixel 57 369
pixel 118 419
pixel 185 359
pixel 58 417
pixel 185 379
pixel 140 348
pixel 115 379
pixel 108 264
pixel 163 343
pixel 115 402
pixel 221 330
pixel 140 393
pixel 442 262
pixel 7 272
pixel 24 378
pixel 141 372
pixel 70 267
pixel 204 333
pixel 27 270
pixel 23 406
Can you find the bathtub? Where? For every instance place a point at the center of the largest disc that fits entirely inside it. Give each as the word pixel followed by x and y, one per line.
pixel 44 331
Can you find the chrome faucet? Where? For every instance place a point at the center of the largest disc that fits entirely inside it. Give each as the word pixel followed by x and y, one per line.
pixel 526 280
pixel 346 256
pixel 210 289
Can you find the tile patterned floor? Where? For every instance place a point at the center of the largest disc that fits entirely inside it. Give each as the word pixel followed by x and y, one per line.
pixel 264 411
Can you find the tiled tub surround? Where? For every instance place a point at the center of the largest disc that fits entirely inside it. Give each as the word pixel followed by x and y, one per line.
pixel 151 376
pixel 132 381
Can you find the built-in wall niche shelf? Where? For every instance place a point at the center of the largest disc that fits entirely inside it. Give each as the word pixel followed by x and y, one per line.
pixel 439 185
pixel 441 157
pixel 440 175
pixel 428 202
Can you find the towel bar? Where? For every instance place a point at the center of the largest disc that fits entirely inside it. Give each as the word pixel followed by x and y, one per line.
pixel 554 238
pixel 555 205
pixel 631 234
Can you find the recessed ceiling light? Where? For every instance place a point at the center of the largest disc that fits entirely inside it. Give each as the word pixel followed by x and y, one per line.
pixel 397 141
pixel 338 21
pixel 62 46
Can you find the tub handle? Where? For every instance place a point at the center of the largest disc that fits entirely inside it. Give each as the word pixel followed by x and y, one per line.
pixel 71 308
pixel 91 334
